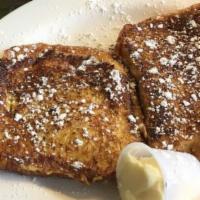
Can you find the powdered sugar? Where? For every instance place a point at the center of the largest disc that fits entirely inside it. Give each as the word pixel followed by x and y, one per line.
pixel 18 117
pixel 171 39
pixel 77 165
pixel 153 70
pixel 152 44
pixel 132 118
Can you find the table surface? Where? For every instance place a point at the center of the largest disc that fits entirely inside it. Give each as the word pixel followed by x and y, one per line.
pixel 7 6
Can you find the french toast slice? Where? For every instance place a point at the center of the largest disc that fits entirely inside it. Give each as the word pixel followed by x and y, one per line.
pixel 65 111
pixel 163 54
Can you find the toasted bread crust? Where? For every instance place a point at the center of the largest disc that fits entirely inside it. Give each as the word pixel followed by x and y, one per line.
pixel 163 55
pixel 65 111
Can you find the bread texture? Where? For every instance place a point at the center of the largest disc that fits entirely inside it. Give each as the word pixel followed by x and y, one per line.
pixel 163 54
pixel 65 111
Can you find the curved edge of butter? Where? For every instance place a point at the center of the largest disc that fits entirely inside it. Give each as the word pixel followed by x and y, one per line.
pixel 139 178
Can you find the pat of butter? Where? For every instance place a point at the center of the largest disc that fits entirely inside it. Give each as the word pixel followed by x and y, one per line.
pixel 139 178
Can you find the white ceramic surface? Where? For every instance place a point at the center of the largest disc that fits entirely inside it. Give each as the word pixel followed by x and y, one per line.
pixel 94 23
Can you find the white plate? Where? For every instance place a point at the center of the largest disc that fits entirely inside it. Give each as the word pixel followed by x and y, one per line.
pixel 94 23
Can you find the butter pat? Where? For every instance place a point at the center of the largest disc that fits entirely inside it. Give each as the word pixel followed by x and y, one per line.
pixel 139 178
pixel 144 173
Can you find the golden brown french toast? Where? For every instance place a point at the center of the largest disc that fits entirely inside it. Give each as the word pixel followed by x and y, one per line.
pixel 65 111
pixel 163 54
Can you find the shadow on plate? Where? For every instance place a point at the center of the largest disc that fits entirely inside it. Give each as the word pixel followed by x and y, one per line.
pixel 105 190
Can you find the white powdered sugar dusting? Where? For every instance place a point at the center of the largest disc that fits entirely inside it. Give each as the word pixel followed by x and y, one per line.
pixel 77 165
pixel 153 70
pixel 152 44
